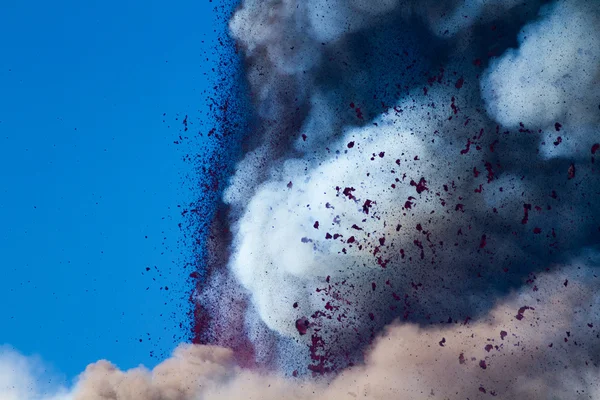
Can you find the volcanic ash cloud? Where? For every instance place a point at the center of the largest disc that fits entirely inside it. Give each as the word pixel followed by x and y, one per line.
pixel 538 343
pixel 434 238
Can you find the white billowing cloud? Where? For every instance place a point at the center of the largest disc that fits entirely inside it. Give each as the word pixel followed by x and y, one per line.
pixel 419 193
pixel 554 75
pixel 283 250
pixel 407 197
pixel 27 378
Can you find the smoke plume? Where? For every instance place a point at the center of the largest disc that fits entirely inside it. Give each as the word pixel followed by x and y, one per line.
pixel 416 215
pixel 425 193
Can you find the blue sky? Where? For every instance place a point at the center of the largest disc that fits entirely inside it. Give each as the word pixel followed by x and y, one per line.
pixel 90 178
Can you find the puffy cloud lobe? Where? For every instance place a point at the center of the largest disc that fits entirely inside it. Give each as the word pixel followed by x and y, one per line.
pixel 554 74
pixel 310 222
pixel 27 378
pixel 398 204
